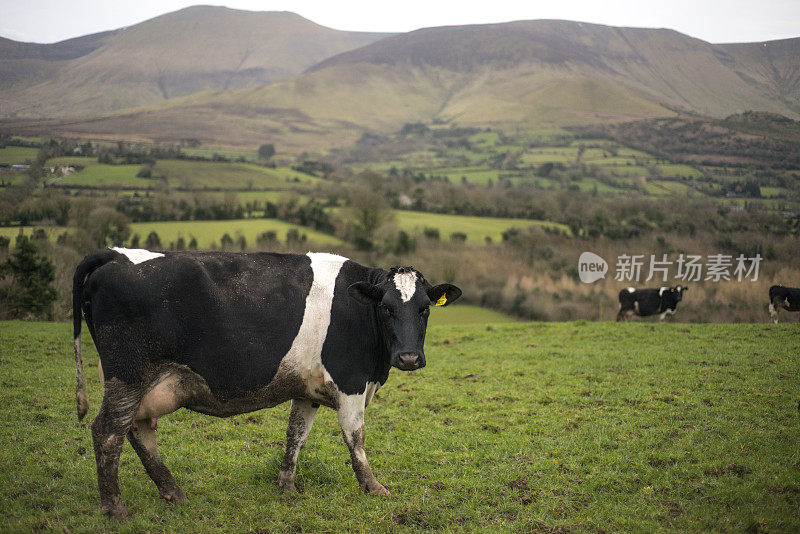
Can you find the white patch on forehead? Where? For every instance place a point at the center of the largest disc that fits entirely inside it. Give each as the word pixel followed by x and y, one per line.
pixel 305 354
pixel 406 284
pixel 137 255
pixel 631 289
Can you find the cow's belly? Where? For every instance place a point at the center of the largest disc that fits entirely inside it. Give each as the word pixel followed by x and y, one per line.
pixel 177 386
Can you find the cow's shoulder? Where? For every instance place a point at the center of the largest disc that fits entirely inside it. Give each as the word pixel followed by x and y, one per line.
pixel 354 353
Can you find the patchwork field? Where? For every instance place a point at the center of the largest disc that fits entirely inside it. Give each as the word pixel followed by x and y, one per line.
pixel 17 155
pixel 210 232
pixel 184 174
pixel 551 427
pixel 476 228
pixel 207 233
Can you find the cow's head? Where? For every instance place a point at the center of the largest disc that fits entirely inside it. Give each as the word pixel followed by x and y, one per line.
pixel 676 293
pixel 403 303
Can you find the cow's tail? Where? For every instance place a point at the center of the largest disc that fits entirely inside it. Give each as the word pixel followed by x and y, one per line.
pixel 84 269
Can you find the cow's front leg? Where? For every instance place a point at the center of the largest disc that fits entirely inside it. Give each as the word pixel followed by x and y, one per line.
pixel 773 312
pixel 351 420
pixel 301 418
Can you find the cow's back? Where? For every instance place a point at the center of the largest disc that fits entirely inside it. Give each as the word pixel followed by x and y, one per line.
pixel 229 317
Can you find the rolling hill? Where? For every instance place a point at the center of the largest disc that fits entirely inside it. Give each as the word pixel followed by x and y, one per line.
pixel 521 75
pixel 195 49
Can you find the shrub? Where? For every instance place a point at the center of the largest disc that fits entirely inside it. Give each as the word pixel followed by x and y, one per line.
pixel 153 242
pixel 30 293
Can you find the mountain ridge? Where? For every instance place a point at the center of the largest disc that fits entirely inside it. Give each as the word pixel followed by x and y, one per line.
pixel 520 74
pixel 184 52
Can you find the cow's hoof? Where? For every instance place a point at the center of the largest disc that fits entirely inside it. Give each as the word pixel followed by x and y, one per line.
pixel 288 487
pixel 116 511
pixel 286 483
pixel 378 489
pixel 176 496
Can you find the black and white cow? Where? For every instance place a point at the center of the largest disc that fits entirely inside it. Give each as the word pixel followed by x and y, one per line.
pixel 225 334
pixel 787 298
pixel 643 302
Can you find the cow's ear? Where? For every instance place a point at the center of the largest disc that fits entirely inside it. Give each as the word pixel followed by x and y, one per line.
pixel 365 292
pixel 443 294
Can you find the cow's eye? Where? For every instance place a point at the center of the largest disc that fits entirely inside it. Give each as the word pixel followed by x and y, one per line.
pixel 387 311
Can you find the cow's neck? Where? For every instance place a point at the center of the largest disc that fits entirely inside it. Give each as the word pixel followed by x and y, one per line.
pixel 383 359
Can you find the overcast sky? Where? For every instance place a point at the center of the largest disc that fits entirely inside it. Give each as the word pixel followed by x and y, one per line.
pixel 716 21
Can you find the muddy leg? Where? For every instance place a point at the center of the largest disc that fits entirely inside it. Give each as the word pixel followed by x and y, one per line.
pixel 108 434
pixel 142 436
pixel 351 420
pixel 301 418
pixel 773 312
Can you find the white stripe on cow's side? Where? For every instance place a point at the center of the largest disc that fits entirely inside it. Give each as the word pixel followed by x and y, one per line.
pixel 661 291
pixel 631 289
pixel 305 355
pixel 137 255
pixel 406 284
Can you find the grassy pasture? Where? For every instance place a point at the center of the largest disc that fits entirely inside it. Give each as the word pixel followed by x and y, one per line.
pixel 99 174
pixel 464 314
pixel 212 174
pixel 184 174
pixel 476 228
pixel 208 232
pixel 550 427
pixel 17 155
pixel 230 153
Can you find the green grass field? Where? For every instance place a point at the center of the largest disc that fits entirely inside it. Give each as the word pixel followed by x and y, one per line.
pixel 185 174
pixel 476 228
pixel 96 174
pixel 550 427
pixel 208 232
pixel 464 314
pixel 17 155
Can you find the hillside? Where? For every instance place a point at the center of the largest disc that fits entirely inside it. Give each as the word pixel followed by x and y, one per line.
pixel 195 49
pixel 773 67
pixel 520 75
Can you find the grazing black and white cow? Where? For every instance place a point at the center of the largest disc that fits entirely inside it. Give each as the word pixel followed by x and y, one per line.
pixel 787 298
pixel 225 334
pixel 643 302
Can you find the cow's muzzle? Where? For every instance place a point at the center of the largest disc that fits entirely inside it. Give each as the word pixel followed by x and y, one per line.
pixel 408 361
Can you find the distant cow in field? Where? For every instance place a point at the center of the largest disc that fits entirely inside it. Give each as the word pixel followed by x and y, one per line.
pixel 644 302
pixel 787 298
pixel 225 334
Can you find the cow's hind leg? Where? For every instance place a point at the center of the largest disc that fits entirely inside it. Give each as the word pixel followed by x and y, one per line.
pixel 116 414
pixel 351 420
pixel 142 436
pixel 301 418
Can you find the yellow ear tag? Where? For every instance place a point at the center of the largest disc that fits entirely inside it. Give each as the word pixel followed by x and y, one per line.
pixel 442 301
